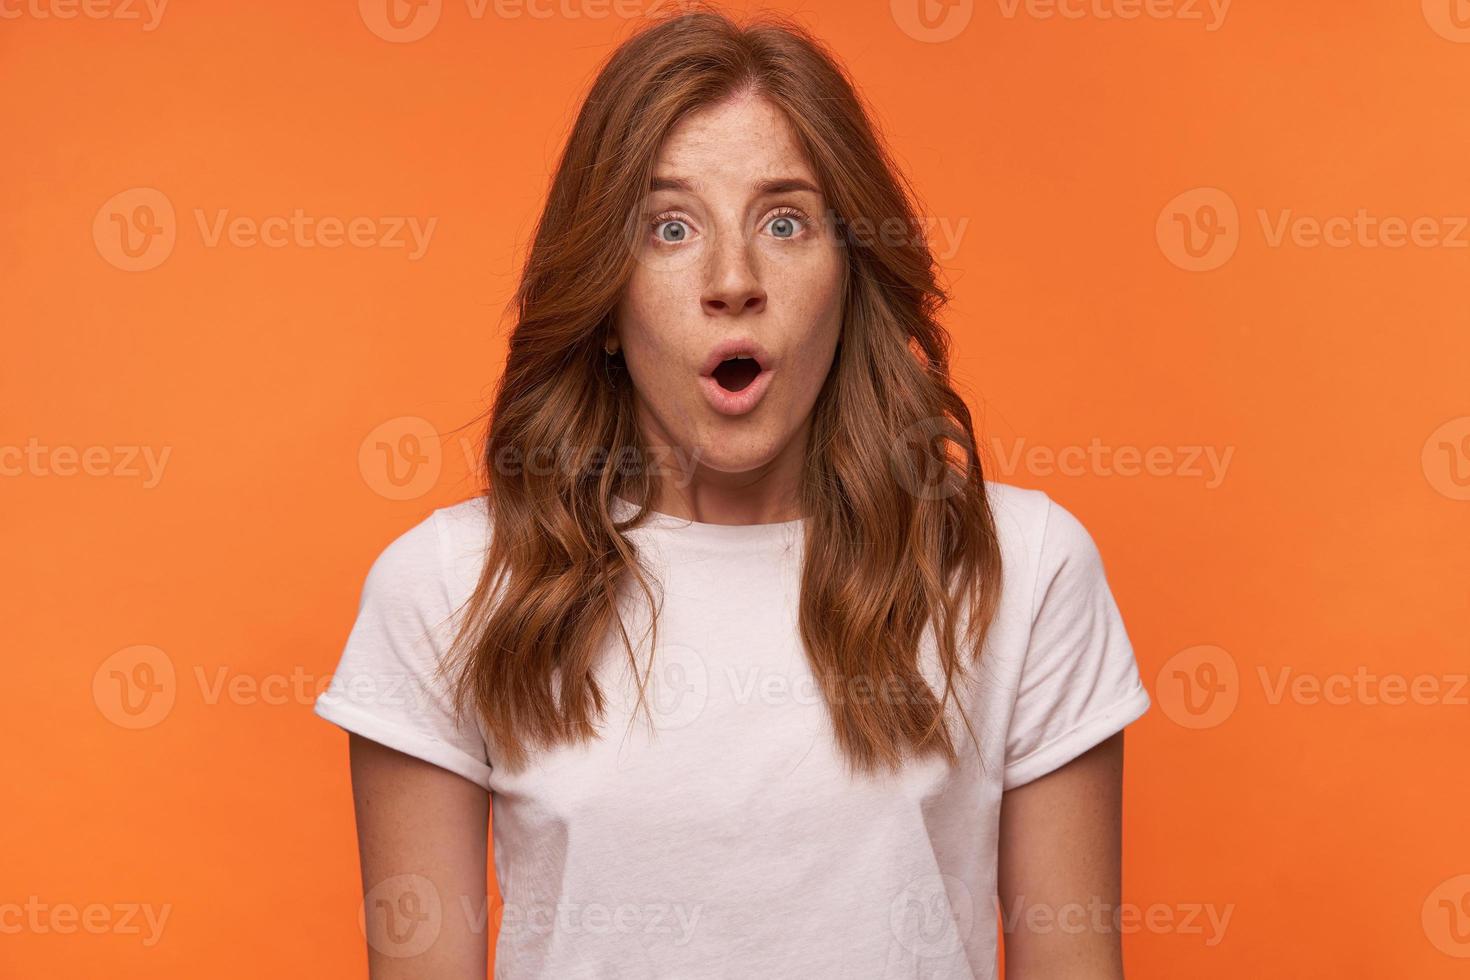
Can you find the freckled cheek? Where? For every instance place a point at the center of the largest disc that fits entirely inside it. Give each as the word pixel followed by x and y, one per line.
pixel 650 323
pixel 810 306
pixel 812 270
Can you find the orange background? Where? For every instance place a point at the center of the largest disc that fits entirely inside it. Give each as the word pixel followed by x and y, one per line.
pixel 282 381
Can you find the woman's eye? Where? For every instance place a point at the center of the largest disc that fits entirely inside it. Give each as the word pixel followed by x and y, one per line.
pixel 672 230
pixel 786 225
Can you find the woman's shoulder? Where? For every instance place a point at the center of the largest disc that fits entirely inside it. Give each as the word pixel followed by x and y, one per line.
pixel 468 520
pixel 1020 515
pixel 432 562
pixel 462 531
pixel 1039 539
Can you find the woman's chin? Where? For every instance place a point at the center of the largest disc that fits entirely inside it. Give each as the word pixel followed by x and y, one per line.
pixel 741 452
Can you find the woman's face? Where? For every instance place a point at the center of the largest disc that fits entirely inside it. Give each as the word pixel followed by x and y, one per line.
pixel 734 258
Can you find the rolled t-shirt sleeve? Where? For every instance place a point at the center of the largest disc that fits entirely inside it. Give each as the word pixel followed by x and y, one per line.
pixel 1080 682
pixel 385 686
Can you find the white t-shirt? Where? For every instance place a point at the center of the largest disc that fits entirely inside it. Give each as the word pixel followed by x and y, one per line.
pixel 734 843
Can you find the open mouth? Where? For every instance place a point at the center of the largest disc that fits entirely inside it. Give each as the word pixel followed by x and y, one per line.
pixel 736 373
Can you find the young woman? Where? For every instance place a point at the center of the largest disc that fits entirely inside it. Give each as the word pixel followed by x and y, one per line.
pixel 760 675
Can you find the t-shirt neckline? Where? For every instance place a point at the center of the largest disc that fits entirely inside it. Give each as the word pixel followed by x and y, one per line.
pixel 727 534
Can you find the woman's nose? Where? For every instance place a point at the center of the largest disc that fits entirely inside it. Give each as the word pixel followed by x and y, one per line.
pixel 733 285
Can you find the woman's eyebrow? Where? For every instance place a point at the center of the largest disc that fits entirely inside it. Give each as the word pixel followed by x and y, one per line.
pixel 771 185
pixel 784 185
pixel 670 184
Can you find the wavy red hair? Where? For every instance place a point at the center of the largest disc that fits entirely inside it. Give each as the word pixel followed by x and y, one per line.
pixel 899 534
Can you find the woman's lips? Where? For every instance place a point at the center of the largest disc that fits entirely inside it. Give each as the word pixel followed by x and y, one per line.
pixel 734 347
pixel 722 399
pixel 740 402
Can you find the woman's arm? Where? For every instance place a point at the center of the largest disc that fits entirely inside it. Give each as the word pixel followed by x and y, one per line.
pixel 422 835
pixel 1060 870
